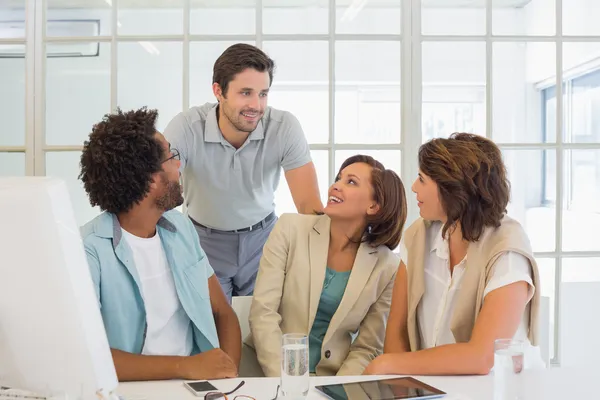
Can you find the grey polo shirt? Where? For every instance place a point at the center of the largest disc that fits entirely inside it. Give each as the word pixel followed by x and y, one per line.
pixel 227 188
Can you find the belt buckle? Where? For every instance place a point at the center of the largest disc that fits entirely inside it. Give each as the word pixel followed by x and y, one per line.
pixel 250 228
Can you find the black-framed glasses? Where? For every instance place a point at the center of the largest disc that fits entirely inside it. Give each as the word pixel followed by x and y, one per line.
pixel 174 155
pixel 276 394
pixel 223 395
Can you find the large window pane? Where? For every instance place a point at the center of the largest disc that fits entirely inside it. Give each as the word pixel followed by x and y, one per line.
pixel 368 17
pixel 367 92
pixel 12 18
pixel 12 164
pixel 12 97
pixel 453 88
pixel 65 165
pixel 301 84
pixel 528 204
pixel 77 94
pixel 284 203
pixel 580 17
pixel 202 59
pixel 581 93
pixel 162 17
pixel 150 74
pixel 518 71
pixel 581 269
pixel 208 19
pixel 524 17
pixel 390 159
pixel 579 332
pixel 581 200
pixel 91 18
pixel 452 17
pixel 302 16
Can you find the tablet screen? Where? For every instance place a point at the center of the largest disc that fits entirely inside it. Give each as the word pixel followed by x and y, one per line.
pixel 388 389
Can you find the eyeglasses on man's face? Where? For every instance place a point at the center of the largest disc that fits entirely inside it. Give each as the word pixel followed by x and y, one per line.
pixel 174 155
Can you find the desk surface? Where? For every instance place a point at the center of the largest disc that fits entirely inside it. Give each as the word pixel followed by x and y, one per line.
pixel 548 384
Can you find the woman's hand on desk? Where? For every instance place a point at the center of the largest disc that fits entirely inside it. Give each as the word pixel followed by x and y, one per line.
pixel 212 364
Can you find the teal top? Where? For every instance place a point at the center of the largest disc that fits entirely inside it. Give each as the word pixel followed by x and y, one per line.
pixel 334 287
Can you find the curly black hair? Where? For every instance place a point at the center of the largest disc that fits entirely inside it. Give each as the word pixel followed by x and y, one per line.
pixel 119 159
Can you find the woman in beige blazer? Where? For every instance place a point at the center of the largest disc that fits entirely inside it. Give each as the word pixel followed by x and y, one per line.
pixel 468 276
pixel 331 276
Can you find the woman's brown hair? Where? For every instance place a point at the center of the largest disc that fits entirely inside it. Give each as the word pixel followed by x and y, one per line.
pixel 472 181
pixel 385 227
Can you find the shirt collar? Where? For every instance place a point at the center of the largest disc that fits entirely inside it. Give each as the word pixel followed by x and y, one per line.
pixel 108 226
pixel 442 247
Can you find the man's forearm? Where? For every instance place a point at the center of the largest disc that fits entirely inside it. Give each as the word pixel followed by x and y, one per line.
pixel 137 367
pixel 230 335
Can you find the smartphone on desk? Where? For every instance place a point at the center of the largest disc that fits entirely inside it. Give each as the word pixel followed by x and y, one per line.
pixel 200 388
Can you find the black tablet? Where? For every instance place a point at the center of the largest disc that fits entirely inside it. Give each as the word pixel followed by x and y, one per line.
pixel 387 389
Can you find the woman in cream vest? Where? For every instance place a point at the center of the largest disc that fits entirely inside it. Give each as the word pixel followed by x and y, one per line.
pixel 467 275
pixel 331 276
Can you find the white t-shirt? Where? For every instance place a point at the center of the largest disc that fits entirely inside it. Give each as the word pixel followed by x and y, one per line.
pixel 436 308
pixel 169 329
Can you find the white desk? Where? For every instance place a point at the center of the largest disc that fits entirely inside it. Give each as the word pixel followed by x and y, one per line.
pixel 550 384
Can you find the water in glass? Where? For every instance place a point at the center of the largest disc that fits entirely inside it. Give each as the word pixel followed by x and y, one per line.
pixel 294 366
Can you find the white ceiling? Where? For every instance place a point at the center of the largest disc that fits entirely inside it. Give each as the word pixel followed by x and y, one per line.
pixel 11 4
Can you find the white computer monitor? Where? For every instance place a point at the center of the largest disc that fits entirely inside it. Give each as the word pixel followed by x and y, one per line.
pixel 52 340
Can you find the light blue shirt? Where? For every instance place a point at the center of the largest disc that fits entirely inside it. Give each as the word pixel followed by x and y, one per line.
pixel 118 287
pixel 227 188
pixel 334 287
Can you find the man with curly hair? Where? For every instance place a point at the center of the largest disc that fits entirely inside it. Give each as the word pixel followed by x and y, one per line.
pixel 164 312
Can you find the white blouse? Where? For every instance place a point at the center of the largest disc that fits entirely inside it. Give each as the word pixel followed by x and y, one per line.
pixel 435 310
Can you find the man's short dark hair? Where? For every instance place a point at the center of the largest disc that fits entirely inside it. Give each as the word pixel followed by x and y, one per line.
pixel 237 58
pixel 119 159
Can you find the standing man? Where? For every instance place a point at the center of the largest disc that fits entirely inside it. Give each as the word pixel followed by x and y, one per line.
pixel 232 153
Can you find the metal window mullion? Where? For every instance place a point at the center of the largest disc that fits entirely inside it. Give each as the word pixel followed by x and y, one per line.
pixel 412 94
pixel 489 70
pixel 331 64
pixel 313 146
pixel 406 129
pixel 114 57
pixel 259 24
pixel 389 37
pixel 14 149
pixel 507 38
pixel 39 87
pixel 568 254
pixel 61 148
pixel 30 87
pixel 4 41
pixel 302 37
pixel 185 81
pixel 78 39
pixel 559 182
pixel 548 146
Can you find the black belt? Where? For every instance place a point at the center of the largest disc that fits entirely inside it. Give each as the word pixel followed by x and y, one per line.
pixel 259 224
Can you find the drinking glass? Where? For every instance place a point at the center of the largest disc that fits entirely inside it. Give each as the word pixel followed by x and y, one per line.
pixel 509 359
pixel 294 366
